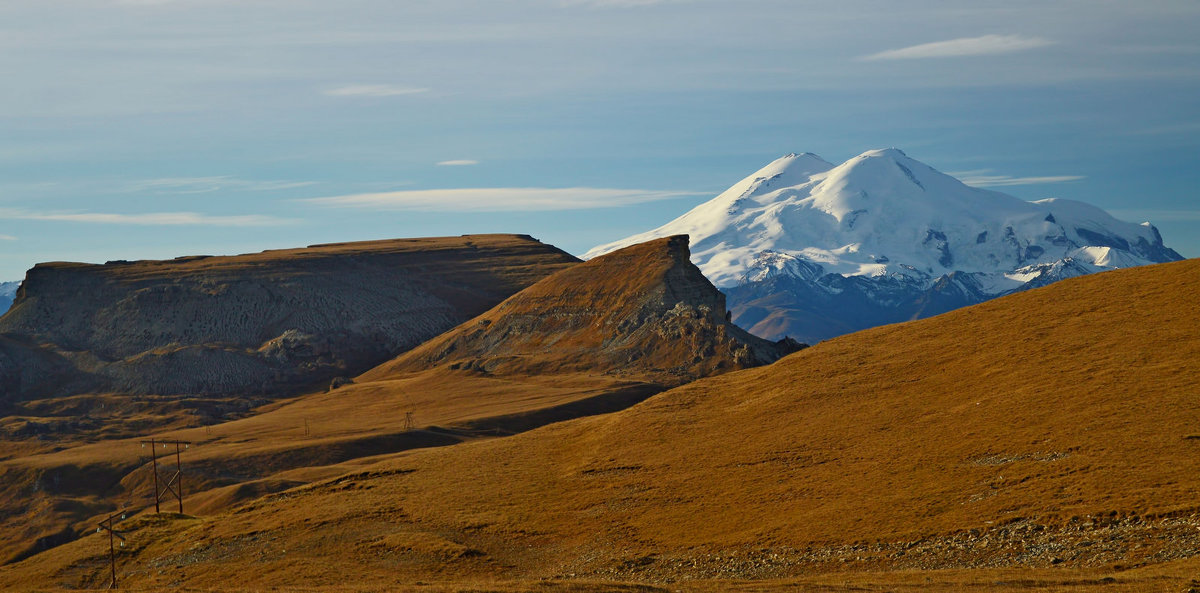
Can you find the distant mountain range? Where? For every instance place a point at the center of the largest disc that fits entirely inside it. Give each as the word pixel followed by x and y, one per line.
pixel 810 250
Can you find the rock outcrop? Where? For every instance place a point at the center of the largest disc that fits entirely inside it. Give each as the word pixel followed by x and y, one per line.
pixel 644 311
pixel 265 323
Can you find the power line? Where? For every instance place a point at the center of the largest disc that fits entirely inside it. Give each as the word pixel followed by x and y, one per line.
pixel 107 525
pixel 174 484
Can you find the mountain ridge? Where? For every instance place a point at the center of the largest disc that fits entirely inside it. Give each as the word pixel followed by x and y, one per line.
pixel 900 225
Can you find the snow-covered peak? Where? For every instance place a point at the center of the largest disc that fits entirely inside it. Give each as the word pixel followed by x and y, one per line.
pixel 795 166
pixel 884 214
pixel 786 171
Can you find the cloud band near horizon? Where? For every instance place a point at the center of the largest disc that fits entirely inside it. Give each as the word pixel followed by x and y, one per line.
pixel 147 219
pixel 499 199
pixel 1005 180
pixel 374 90
pixel 985 45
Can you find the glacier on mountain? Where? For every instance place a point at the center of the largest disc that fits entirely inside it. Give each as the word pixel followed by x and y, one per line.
pixel 813 250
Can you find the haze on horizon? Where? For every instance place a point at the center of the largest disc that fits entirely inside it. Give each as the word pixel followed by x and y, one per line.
pixel 155 128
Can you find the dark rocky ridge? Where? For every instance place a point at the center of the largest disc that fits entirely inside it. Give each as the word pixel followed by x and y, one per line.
pixel 266 323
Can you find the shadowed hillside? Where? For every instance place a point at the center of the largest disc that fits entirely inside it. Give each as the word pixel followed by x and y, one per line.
pixel 1054 431
pixel 264 323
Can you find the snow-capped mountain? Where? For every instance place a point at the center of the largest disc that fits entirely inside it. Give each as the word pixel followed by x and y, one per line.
pixel 8 291
pixel 813 250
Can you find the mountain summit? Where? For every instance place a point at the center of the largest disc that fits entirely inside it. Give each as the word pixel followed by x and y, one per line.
pixel 813 250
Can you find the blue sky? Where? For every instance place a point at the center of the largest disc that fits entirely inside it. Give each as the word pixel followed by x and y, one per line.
pixel 156 128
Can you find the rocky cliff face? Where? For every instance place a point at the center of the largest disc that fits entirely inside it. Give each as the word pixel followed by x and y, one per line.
pixel 265 323
pixel 644 311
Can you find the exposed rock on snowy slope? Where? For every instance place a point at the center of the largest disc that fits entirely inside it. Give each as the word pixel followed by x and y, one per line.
pixel 810 250
pixel 8 291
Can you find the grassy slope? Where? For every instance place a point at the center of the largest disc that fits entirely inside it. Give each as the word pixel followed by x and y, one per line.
pixel 290 443
pixel 66 458
pixel 1050 428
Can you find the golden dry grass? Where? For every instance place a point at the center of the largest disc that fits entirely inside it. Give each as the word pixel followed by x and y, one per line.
pixel 66 457
pixel 290 443
pixel 1038 442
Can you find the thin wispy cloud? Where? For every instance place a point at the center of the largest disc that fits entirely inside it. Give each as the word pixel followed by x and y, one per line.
pixel 1158 215
pixel 199 185
pixel 458 163
pixel 496 199
pixel 986 45
pixel 147 219
pixel 985 178
pixel 374 90
pixel 620 3
pixel 7 238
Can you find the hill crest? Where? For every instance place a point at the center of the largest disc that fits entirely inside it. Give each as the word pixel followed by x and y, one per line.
pixel 643 311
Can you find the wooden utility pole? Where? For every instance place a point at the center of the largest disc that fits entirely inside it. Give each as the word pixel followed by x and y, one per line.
pixel 107 525
pixel 174 484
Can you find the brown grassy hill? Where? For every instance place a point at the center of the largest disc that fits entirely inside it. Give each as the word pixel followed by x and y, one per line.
pixel 212 338
pixel 643 311
pixel 1046 440
pixel 574 334
pixel 264 323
